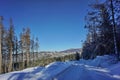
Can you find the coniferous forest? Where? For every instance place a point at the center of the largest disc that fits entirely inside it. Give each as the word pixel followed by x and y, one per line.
pixel 16 52
pixel 103 25
pixel 20 51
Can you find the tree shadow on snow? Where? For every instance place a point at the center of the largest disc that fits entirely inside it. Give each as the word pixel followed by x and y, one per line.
pixel 25 75
pixel 18 76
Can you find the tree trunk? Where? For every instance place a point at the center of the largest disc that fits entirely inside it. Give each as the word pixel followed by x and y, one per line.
pixel 0 44
pixel 27 58
pixel 0 51
pixel 10 60
pixel 114 30
pixel 23 65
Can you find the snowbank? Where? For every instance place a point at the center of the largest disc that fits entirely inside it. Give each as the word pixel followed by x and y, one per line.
pixel 102 68
pixel 100 61
pixel 52 70
pixel 21 75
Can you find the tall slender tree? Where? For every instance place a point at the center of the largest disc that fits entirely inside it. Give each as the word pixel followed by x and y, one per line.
pixel 37 48
pixel 10 44
pixel 4 50
pixel 114 29
pixel 1 26
pixel 103 37
pixel 16 52
pixel 25 44
pixel 32 50
pixel 21 47
pixel 27 40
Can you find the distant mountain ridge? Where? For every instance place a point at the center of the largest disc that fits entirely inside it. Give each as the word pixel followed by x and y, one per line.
pixel 71 50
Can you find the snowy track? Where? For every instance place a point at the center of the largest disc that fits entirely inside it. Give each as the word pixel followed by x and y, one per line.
pixel 101 68
pixel 62 72
pixel 81 72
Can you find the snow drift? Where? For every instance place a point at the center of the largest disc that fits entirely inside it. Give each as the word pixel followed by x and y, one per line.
pixel 101 68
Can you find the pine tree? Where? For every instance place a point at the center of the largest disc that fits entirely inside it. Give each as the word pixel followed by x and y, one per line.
pixel 32 50
pixel 114 29
pixel 12 50
pixel 10 45
pixel 4 50
pixel 25 46
pixel 1 26
pixel 100 36
pixel 16 46
pixel 21 46
pixel 37 47
pixel 114 8
pixel 27 36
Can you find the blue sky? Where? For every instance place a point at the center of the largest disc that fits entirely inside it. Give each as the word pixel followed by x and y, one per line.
pixel 59 24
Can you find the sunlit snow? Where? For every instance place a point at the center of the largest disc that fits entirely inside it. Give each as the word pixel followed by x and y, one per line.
pixel 101 68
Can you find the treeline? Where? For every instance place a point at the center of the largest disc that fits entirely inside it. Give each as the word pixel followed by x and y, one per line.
pixel 103 24
pixel 70 57
pixel 16 52
pixel 43 61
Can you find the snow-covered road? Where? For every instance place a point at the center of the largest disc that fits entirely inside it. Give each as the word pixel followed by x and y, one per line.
pixel 84 72
pixel 101 68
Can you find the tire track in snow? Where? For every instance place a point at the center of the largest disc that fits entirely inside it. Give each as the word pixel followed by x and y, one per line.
pixel 62 72
pixel 81 72
pixel 74 72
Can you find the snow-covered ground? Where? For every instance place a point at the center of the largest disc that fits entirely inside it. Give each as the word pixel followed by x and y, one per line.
pixel 101 68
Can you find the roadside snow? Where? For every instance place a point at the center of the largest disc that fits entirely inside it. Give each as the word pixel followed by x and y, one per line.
pixel 51 70
pixel 21 75
pixel 101 68
pixel 100 61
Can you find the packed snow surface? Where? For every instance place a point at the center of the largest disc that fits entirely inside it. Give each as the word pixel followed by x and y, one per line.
pixel 101 68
